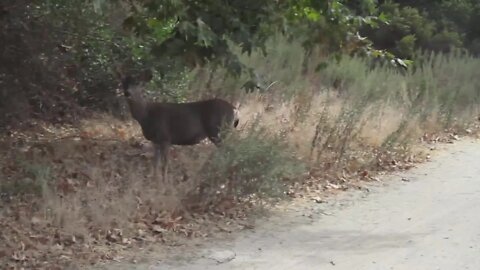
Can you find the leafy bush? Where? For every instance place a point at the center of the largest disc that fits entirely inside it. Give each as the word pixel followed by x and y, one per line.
pixel 445 41
pixel 257 163
pixel 37 177
pixel 406 46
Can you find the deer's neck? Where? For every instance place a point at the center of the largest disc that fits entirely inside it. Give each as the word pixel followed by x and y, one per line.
pixel 138 109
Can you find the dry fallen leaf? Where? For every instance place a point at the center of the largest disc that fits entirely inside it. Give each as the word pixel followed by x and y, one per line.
pixel 35 221
pixel 364 174
pixel 114 235
pixel 19 256
pixel 158 229
pixel 318 200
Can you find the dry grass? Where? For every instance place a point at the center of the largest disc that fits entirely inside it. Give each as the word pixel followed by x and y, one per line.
pixel 73 191
pixel 93 188
pixel 83 193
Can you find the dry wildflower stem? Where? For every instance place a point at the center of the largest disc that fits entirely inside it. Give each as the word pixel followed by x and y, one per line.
pixel 79 194
pixel 91 190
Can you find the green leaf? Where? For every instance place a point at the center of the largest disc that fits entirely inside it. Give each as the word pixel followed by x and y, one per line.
pixel 311 14
pixel 205 36
pixel 129 23
pixel 321 66
pixel 98 6
pixel 383 18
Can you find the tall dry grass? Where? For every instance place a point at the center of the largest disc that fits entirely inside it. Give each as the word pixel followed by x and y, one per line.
pixel 350 105
pixel 346 120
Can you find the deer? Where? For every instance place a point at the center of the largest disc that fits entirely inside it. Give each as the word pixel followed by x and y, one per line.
pixel 166 124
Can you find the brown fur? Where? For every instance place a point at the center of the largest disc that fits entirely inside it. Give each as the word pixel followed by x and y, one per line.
pixel 166 124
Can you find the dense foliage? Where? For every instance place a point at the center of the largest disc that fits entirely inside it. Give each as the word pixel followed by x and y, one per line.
pixel 58 53
pixel 428 25
pixel 331 110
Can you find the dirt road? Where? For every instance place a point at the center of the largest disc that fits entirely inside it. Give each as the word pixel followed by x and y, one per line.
pixel 428 220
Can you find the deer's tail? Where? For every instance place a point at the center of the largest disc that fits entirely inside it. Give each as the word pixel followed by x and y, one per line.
pixel 236 119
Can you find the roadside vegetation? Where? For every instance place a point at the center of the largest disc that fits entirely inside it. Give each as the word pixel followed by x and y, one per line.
pixel 321 110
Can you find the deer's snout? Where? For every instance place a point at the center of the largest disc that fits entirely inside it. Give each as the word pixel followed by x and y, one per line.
pixel 127 93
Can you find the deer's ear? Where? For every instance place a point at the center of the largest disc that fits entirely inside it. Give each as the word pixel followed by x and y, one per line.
pixel 126 84
pixel 119 71
pixel 146 75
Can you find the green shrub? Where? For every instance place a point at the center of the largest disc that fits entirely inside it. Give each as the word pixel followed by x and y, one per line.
pixel 257 163
pixel 406 46
pixel 33 183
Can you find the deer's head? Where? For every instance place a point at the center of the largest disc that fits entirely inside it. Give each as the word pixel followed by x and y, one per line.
pixel 130 83
pixel 135 99
pixel 126 86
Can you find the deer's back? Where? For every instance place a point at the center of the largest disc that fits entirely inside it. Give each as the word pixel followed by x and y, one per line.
pixel 185 123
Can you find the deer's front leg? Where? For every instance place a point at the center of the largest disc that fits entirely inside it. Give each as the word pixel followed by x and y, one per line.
pixel 156 159
pixel 164 148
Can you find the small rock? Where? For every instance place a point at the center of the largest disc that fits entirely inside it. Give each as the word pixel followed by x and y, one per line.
pixel 158 229
pixel 222 256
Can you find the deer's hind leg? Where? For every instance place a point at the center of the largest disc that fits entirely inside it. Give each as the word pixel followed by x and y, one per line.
pixel 213 133
pixel 215 140
pixel 164 149
pixel 161 156
pixel 156 160
pixel 219 126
